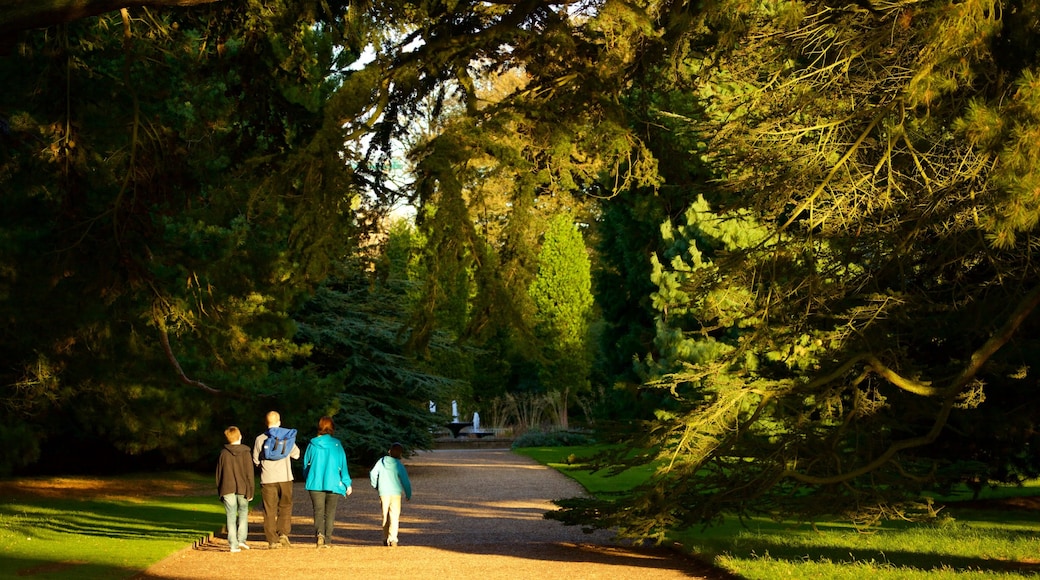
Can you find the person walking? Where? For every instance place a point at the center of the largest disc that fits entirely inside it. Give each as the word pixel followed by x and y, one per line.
pixel 272 452
pixel 325 472
pixel 390 479
pixel 235 487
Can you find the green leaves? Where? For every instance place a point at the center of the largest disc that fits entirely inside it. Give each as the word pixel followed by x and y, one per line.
pixel 562 289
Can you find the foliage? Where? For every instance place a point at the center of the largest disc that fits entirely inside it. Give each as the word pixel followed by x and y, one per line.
pixel 562 290
pixel 966 543
pixel 558 438
pixel 492 173
pixel 841 276
pixel 850 296
pixel 172 185
pixel 823 215
pixel 377 393
pixel 562 295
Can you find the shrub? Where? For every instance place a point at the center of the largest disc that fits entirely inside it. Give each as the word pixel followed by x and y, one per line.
pixel 552 439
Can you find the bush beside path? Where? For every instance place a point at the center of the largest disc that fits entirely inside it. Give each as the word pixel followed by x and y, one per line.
pixel 475 514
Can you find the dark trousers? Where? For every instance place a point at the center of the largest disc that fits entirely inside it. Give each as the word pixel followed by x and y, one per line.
pixel 277 509
pixel 324 503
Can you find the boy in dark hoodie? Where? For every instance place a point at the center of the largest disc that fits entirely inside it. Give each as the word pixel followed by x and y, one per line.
pixel 235 487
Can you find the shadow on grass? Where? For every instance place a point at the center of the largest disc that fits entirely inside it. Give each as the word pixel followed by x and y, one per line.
pixel 900 545
pixel 116 519
pixel 88 539
pixel 910 560
pixel 13 567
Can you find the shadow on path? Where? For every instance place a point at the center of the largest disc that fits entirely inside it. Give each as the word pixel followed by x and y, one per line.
pixel 474 514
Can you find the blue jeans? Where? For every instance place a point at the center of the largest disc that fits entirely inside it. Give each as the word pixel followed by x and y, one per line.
pixel 236 507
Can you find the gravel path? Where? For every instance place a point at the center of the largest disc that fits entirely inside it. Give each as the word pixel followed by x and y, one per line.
pixel 474 514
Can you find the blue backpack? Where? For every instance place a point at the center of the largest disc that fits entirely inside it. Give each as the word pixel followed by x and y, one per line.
pixel 279 443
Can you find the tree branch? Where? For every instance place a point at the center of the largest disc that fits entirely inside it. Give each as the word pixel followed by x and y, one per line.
pixel 923 388
pixel 978 358
pixel 18 15
pixel 164 338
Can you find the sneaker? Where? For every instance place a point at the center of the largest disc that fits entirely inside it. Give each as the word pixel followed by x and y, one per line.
pixel 235 550
pixel 273 545
pixel 284 540
pixel 321 541
pixel 244 546
pixel 392 544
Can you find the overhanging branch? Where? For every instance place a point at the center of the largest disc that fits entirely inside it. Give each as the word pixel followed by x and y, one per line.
pixel 18 15
pixel 997 340
pixel 164 338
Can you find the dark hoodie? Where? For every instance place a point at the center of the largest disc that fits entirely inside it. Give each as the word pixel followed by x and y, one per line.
pixel 235 471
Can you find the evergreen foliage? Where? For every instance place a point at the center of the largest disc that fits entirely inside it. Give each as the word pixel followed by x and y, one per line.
pixel 552 439
pixel 813 227
pixel 377 393
pixel 562 294
pixel 172 187
pixel 852 295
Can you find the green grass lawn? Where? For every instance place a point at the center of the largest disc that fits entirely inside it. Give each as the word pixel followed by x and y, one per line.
pixel 112 532
pixel 968 544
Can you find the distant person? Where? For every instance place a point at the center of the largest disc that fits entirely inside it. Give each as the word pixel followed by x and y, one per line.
pixel 390 479
pixel 325 471
pixel 272 451
pixel 235 487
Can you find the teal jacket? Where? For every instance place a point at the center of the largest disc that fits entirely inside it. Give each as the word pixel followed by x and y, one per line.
pixel 390 478
pixel 325 465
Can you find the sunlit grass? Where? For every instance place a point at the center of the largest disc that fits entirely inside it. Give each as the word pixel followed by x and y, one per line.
pixel 573 462
pixel 965 544
pixel 100 537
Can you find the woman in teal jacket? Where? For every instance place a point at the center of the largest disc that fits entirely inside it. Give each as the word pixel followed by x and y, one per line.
pixel 325 469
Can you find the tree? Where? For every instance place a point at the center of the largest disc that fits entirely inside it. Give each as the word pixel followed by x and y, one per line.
pixel 562 293
pixel 378 393
pixel 854 292
pixel 515 157
pixel 174 182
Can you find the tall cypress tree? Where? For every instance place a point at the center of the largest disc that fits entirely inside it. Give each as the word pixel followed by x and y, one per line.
pixel 562 293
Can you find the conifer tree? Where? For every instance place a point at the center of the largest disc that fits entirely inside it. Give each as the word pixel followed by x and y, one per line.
pixel 852 295
pixel 562 293
pixel 174 182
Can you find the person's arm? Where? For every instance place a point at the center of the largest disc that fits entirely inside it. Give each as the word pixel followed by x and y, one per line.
pixel 345 472
pixel 247 470
pixel 295 453
pixel 308 458
pixel 220 471
pixel 258 446
pixel 405 483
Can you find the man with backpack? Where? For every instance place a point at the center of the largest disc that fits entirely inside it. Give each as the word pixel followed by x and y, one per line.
pixel 271 452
